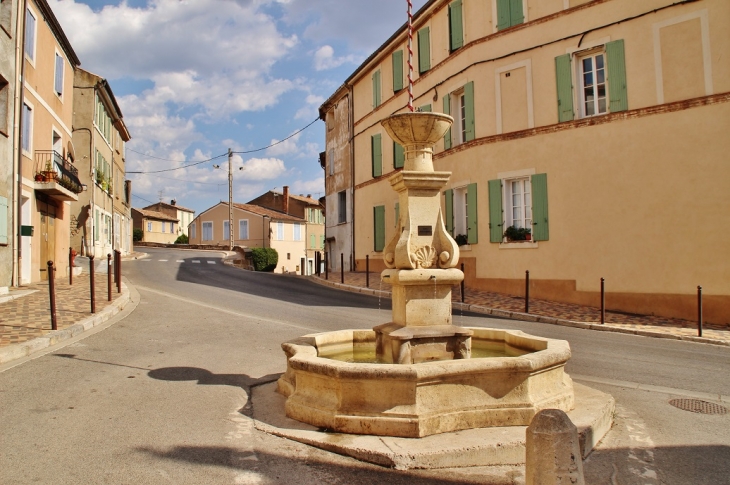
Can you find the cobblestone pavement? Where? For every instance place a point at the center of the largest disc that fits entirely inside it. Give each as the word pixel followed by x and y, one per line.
pixel 25 313
pixel 564 311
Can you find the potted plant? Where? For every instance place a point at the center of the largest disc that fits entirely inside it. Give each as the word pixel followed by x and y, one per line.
pixel 513 233
pixel 461 240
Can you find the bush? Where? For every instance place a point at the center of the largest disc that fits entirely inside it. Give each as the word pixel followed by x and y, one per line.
pixel 461 240
pixel 183 239
pixel 516 233
pixel 137 235
pixel 264 259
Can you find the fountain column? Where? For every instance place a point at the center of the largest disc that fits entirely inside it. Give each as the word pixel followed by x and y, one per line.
pixel 422 256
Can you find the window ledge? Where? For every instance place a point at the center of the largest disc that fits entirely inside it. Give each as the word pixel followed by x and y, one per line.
pixel 518 245
pixel 465 247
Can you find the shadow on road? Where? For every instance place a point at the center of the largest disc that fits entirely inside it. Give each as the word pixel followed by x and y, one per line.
pixel 207 378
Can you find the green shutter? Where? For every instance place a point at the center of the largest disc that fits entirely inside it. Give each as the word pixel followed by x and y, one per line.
pixel 426 108
pixel 564 80
pixel 516 15
pixel 376 89
pixel 397 213
pixel 449 211
pixel 424 50
pixel 447 111
pixel 616 65
pixel 312 241
pixel 540 226
pixel 3 220
pixel 376 151
pixel 469 105
pixel 379 227
pixel 399 155
pixel 503 14
pixel 456 25
pixel 496 218
pixel 471 202
pixel 397 71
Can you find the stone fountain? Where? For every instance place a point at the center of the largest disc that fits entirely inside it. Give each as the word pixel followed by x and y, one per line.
pixel 422 375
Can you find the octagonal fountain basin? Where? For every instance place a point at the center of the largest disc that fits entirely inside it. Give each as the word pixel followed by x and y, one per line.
pixel 417 400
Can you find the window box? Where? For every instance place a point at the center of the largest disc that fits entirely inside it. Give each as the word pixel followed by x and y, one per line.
pixel 518 234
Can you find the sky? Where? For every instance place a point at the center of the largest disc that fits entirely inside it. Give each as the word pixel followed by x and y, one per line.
pixel 194 78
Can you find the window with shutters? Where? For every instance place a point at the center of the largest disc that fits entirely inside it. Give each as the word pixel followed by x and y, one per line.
pixel 376 89
pixel 58 80
pixel 460 105
pixel 279 231
pixel 456 26
pixel 509 13
pixel 297 232
pixel 193 234
pixel 424 50
pixel 518 201
pixel 341 207
pixel 600 82
pixel 399 155
pixel 243 229
pixel 207 231
pixel 30 35
pixel 27 128
pixel 461 214
pixel 379 228
pixel 226 231
pixel 376 154
pixel 398 82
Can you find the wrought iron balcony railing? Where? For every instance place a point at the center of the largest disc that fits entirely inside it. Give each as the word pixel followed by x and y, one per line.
pixel 50 166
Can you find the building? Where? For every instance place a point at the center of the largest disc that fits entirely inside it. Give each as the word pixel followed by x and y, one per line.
pixel 184 216
pixel 256 227
pixel 100 218
pixel 9 30
pixel 304 207
pixel 156 227
pixel 49 179
pixel 593 123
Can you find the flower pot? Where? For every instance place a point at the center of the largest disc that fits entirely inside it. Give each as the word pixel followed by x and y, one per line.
pixel 528 237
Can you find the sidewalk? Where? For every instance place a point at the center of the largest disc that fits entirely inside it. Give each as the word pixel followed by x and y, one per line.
pixel 513 307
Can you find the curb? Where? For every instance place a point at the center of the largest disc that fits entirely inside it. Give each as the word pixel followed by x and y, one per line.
pixel 19 351
pixel 528 317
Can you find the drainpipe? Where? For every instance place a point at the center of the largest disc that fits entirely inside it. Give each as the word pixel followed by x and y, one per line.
pixel 352 171
pixel 18 140
pixel 92 185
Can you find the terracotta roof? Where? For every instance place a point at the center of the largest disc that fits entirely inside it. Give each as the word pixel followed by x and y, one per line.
pixel 262 211
pixel 155 215
pixel 308 200
pixel 171 206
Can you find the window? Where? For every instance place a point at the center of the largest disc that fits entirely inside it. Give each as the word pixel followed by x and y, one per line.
pixel 27 130
pixel 192 231
pixel 149 226
pixel 280 231
pixel 5 102
pixel 58 84
pixel 509 13
pixel 379 228
pixel 456 26
pixel 461 103
pixel 521 202
pixel 207 231
pixel 321 242
pixel 331 161
pixel 30 34
pixel 461 212
pixel 162 225
pixel 398 83
pixel 297 232
pixel 376 155
pixel 226 231
pixel 243 229
pixel 399 155
pixel 376 89
pixel 172 228
pixel 601 82
pixel 341 207
pixel 424 50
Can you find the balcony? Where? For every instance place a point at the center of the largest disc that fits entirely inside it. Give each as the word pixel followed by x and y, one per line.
pixel 55 176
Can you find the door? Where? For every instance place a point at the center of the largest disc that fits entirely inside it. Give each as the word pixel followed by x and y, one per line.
pixel 48 236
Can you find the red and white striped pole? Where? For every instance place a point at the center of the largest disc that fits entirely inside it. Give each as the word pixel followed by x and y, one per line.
pixel 410 55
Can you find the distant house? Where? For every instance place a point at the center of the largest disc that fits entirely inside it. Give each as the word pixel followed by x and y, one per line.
pixel 255 227
pixel 184 216
pixel 156 226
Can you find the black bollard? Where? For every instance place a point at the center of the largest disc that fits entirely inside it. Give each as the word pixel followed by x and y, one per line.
pixel 342 268
pixel 91 279
pixel 699 311
pixel 527 291
pixel 367 271
pixel 109 276
pixel 462 283
pixel 52 294
pixel 603 301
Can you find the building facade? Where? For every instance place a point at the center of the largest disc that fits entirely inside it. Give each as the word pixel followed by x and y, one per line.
pixel 101 217
pixel 156 227
pixel 183 215
pixel 589 123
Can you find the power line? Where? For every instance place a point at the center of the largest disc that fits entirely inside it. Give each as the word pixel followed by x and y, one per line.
pixel 135 195
pixel 184 166
pixel 187 181
pixel 278 142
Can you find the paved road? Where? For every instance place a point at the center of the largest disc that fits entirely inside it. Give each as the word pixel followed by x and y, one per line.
pixel 160 396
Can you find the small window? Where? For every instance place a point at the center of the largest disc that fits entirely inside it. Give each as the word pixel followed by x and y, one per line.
pixel 226 231
pixel 341 207
pixel 58 84
pixel 243 229
pixel 331 161
pixel 288 255
pixel 27 129
pixel 149 227
pixel 377 95
pixel 30 34
pixel 592 79
pixel 518 203
pixel 192 231
pixel 456 26
pixel 424 50
pixel 280 231
pixel 297 232
pixel 207 231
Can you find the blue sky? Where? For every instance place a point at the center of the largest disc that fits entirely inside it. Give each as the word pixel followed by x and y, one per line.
pixel 195 77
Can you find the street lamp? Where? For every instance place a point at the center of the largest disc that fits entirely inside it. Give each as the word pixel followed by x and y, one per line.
pixel 230 197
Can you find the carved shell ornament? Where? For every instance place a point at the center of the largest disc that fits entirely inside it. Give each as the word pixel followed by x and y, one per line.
pixel 424 257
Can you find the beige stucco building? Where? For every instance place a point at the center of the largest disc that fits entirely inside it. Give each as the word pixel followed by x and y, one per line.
pixel 183 215
pixel 599 125
pixel 100 218
pixel 156 227
pixel 254 227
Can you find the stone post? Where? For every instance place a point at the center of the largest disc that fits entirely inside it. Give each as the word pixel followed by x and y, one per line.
pixel 553 450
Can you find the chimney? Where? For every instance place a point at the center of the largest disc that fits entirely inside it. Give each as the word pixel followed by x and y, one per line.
pixel 173 202
pixel 286 199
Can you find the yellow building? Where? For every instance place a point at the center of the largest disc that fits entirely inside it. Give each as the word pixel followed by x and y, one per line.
pixel 156 227
pixel 601 126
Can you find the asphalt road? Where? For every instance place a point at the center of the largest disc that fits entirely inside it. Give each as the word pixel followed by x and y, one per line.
pixel 160 394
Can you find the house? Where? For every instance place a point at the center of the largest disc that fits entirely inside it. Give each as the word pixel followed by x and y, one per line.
pixel 599 125
pixel 255 227
pixel 304 207
pixel 184 216
pixel 156 227
pixel 100 218
pixel 48 176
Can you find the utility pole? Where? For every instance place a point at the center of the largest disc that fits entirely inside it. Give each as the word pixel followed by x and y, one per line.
pixel 230 198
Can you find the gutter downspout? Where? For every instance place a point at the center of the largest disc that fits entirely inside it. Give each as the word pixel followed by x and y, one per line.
pixel 18 140
pixel 351 128
pixel 93 185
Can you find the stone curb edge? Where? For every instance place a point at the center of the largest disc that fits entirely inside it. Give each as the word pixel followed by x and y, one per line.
pixel 527 317
pixel 25 349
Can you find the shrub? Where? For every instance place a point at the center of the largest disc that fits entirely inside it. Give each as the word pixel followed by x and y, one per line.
pixel 183 239
pixel 461 240
pixel 516 233
pixel 264 259
pixel 137 235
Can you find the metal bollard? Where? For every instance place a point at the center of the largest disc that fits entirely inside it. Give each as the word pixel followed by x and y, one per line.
pixel 603 301
pixel 118 271
pixel 699 311
pixel 367 271
pixel 462 283
pixel 70 266
pixel 109 276
pixel 52 294
pixel 527 291
pixel 91 279
pixel 326 267
pixel 342 268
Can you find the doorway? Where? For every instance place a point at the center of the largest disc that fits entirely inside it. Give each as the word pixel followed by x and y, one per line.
pixel 47 212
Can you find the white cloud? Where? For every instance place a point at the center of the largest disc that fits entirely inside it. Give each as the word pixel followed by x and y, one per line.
pixel 263 168
pixel 286 147
pixel 324 59
pixel 315 187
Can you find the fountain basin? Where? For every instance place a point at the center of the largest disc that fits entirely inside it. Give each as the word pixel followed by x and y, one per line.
pixel 417 400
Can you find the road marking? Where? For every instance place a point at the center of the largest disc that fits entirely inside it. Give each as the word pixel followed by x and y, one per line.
pixel 180 261
pixel 162 261
pixel 649 388
pixel 241 437
pixel 211 262
pixel 195 261
pixel 230 312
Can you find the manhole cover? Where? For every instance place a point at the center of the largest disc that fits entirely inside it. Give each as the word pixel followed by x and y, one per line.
pixel 698 406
